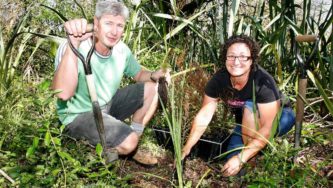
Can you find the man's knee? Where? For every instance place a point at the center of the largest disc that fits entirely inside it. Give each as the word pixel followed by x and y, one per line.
pixel 150 89
pixel 129 144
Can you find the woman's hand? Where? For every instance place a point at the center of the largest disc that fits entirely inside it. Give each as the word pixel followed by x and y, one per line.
pixel 185 152
pixel 232 167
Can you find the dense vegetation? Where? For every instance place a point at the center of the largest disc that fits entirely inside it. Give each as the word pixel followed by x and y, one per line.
pixel 186 34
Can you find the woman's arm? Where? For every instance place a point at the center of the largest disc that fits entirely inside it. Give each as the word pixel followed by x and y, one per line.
pixel 200 123
pixel 268 112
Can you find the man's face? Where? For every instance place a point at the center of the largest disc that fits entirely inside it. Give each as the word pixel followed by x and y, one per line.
pixel 110 29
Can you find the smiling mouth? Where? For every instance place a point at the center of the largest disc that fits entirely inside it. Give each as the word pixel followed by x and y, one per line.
pixel 236 67
pixel 112 39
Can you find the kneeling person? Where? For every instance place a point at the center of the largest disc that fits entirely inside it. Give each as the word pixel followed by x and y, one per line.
pixel 111 60
pixel 234 85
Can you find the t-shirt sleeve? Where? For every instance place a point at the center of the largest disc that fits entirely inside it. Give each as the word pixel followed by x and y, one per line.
pixel 132 65
pixel 268 91
pixel 212 88
pixel 59 54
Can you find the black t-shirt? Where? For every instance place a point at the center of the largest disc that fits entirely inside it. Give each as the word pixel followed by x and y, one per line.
pixel 219 86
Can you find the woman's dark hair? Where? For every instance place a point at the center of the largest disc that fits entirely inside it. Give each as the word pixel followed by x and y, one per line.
pixel 253 46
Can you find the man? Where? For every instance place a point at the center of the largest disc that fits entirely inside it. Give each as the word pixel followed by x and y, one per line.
pixel 111 60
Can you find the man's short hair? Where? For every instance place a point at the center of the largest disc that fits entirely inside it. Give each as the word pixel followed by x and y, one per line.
pixel 113 7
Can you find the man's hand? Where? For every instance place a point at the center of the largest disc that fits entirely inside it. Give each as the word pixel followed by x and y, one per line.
pixel 162 73
pixel 232 167
pixel 77 31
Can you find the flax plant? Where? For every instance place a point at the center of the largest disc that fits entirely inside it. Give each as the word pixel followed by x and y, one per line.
pixel 174 118
pixel 11 53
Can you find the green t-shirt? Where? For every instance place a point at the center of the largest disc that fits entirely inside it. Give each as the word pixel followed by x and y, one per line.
pixel 107 72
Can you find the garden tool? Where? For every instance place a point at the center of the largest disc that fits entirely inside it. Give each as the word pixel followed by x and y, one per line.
pixel 302 81
pixel 108 154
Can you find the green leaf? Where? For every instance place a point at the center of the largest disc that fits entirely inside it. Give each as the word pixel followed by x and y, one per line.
pixel 184 24
pixel 57 141
pixel 45 85
pixel 272 22
pixel 35 142
pixel 55 172
pixel 47 138
pixel 99 149
pixel 322 92
pixel 65 155
pixel 62 127
pixel 30 152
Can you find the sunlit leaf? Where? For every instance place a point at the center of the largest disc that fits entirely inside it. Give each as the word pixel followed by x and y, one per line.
pixel 35 142
pixel 184 24
pixel 55 172
pixel 65 155
pixel 272 22
pixel 30 152
pixel 56 141
pixel 232 16
pixel 322 92
pixel 47 139
pixel 45 85
pixel 99 149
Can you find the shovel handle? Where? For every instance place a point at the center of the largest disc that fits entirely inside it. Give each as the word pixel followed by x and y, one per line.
pixel 302 83
pixel 306 38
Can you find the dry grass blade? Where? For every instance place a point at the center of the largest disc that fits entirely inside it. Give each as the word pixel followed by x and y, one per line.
pixel 6 176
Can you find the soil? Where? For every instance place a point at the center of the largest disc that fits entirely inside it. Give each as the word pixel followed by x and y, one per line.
pixel 163 174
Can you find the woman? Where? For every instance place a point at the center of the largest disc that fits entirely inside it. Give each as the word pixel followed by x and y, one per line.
pixel 235 85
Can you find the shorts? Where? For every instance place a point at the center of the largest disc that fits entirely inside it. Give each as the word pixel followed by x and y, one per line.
pixel 123 104
pixel 287 121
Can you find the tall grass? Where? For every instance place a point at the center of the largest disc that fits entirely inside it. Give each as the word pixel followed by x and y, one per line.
pixel 174 119
pixel 11 52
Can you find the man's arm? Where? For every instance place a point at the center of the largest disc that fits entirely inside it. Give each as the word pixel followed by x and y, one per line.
pixel 66 75
pixel 152 76
pixel 200 123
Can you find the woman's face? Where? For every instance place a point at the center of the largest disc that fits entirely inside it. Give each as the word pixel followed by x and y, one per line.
pixel 238 61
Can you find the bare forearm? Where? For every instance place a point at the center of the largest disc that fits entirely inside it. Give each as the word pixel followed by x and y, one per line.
pixel 66 76
pixel 194 136
pixel 199 126
pixel 145 76
pixel 200 123
pixel 258 143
